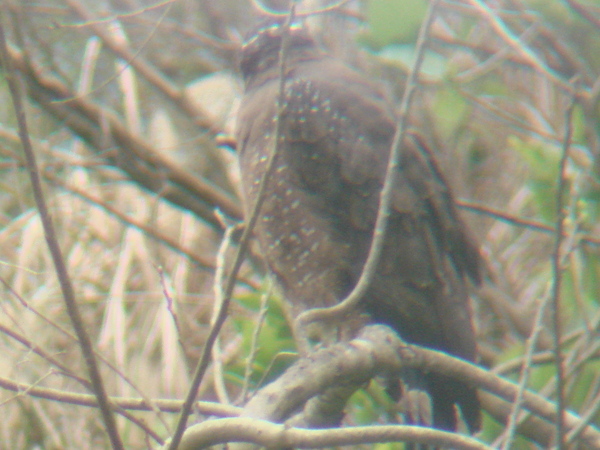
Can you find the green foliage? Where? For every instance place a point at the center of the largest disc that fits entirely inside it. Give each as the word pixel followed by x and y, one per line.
pixel 369 405
pixel 542 162
pixel 451 111
pixel 491 429
pixel 392 31
pixel 275 345
pixel 393 21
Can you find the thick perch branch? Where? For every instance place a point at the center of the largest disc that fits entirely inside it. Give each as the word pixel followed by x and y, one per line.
pixel 270 435
pixel 376 351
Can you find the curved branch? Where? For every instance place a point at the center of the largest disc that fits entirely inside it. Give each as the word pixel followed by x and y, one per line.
pixel 378 350
pixel 272 435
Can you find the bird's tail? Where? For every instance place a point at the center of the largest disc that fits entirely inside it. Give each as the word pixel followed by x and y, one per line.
pixel 447 394
pixel 434 400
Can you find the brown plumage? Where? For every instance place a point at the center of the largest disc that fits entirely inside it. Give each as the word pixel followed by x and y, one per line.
pixel 316 224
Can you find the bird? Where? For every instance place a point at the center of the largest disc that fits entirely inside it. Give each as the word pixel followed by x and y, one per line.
pixel 315 226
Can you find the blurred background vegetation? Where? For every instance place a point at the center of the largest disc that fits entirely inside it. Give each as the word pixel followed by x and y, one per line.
pixel 130 104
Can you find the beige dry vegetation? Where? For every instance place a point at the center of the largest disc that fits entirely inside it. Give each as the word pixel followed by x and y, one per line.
pixel 122 292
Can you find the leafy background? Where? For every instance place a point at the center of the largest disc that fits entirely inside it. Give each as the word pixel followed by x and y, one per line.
pixel 141 245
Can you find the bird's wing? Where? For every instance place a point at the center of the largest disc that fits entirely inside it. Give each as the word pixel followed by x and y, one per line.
pixel 337 131
pixel 345 132
pixel 339 145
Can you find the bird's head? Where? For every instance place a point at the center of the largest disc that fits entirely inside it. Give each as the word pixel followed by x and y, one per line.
pixel 260 51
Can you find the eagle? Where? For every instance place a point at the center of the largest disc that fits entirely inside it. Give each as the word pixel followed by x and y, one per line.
pixel 316 224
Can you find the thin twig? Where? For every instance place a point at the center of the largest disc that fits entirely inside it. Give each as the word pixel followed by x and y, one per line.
pixel 143 67
pixel 586 420
pixel 69 373
pixel 581 154
pixel 44 355
pixel 244 240
pixel 56 253
pixel 545 357
pixel 518 221
pixel 551 297
pixel 262 314
pixel 201 261
pixel 557 272
pixel 349 303
pixel 494 61
pixel 518 46
pixel 219 295
pixel 171 309
pixel 526 366
pixel 129 403
pixel 73 338
pixel 143 162
pixel 516 418
pixel 583 12
pixel 273 12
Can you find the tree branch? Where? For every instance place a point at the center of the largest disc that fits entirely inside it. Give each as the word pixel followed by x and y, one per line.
pixel 59 263
pixel 379 351
pixel 270 435
pixel 143 163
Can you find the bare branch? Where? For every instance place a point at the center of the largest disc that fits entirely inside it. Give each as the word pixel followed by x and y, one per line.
pixel 244 241
pixel 378 350
pixel 133 404
pixel 59 263
pixel 272 435
pixel 144 164
pixel 518 46
pixel 557 276
pixel 143 67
